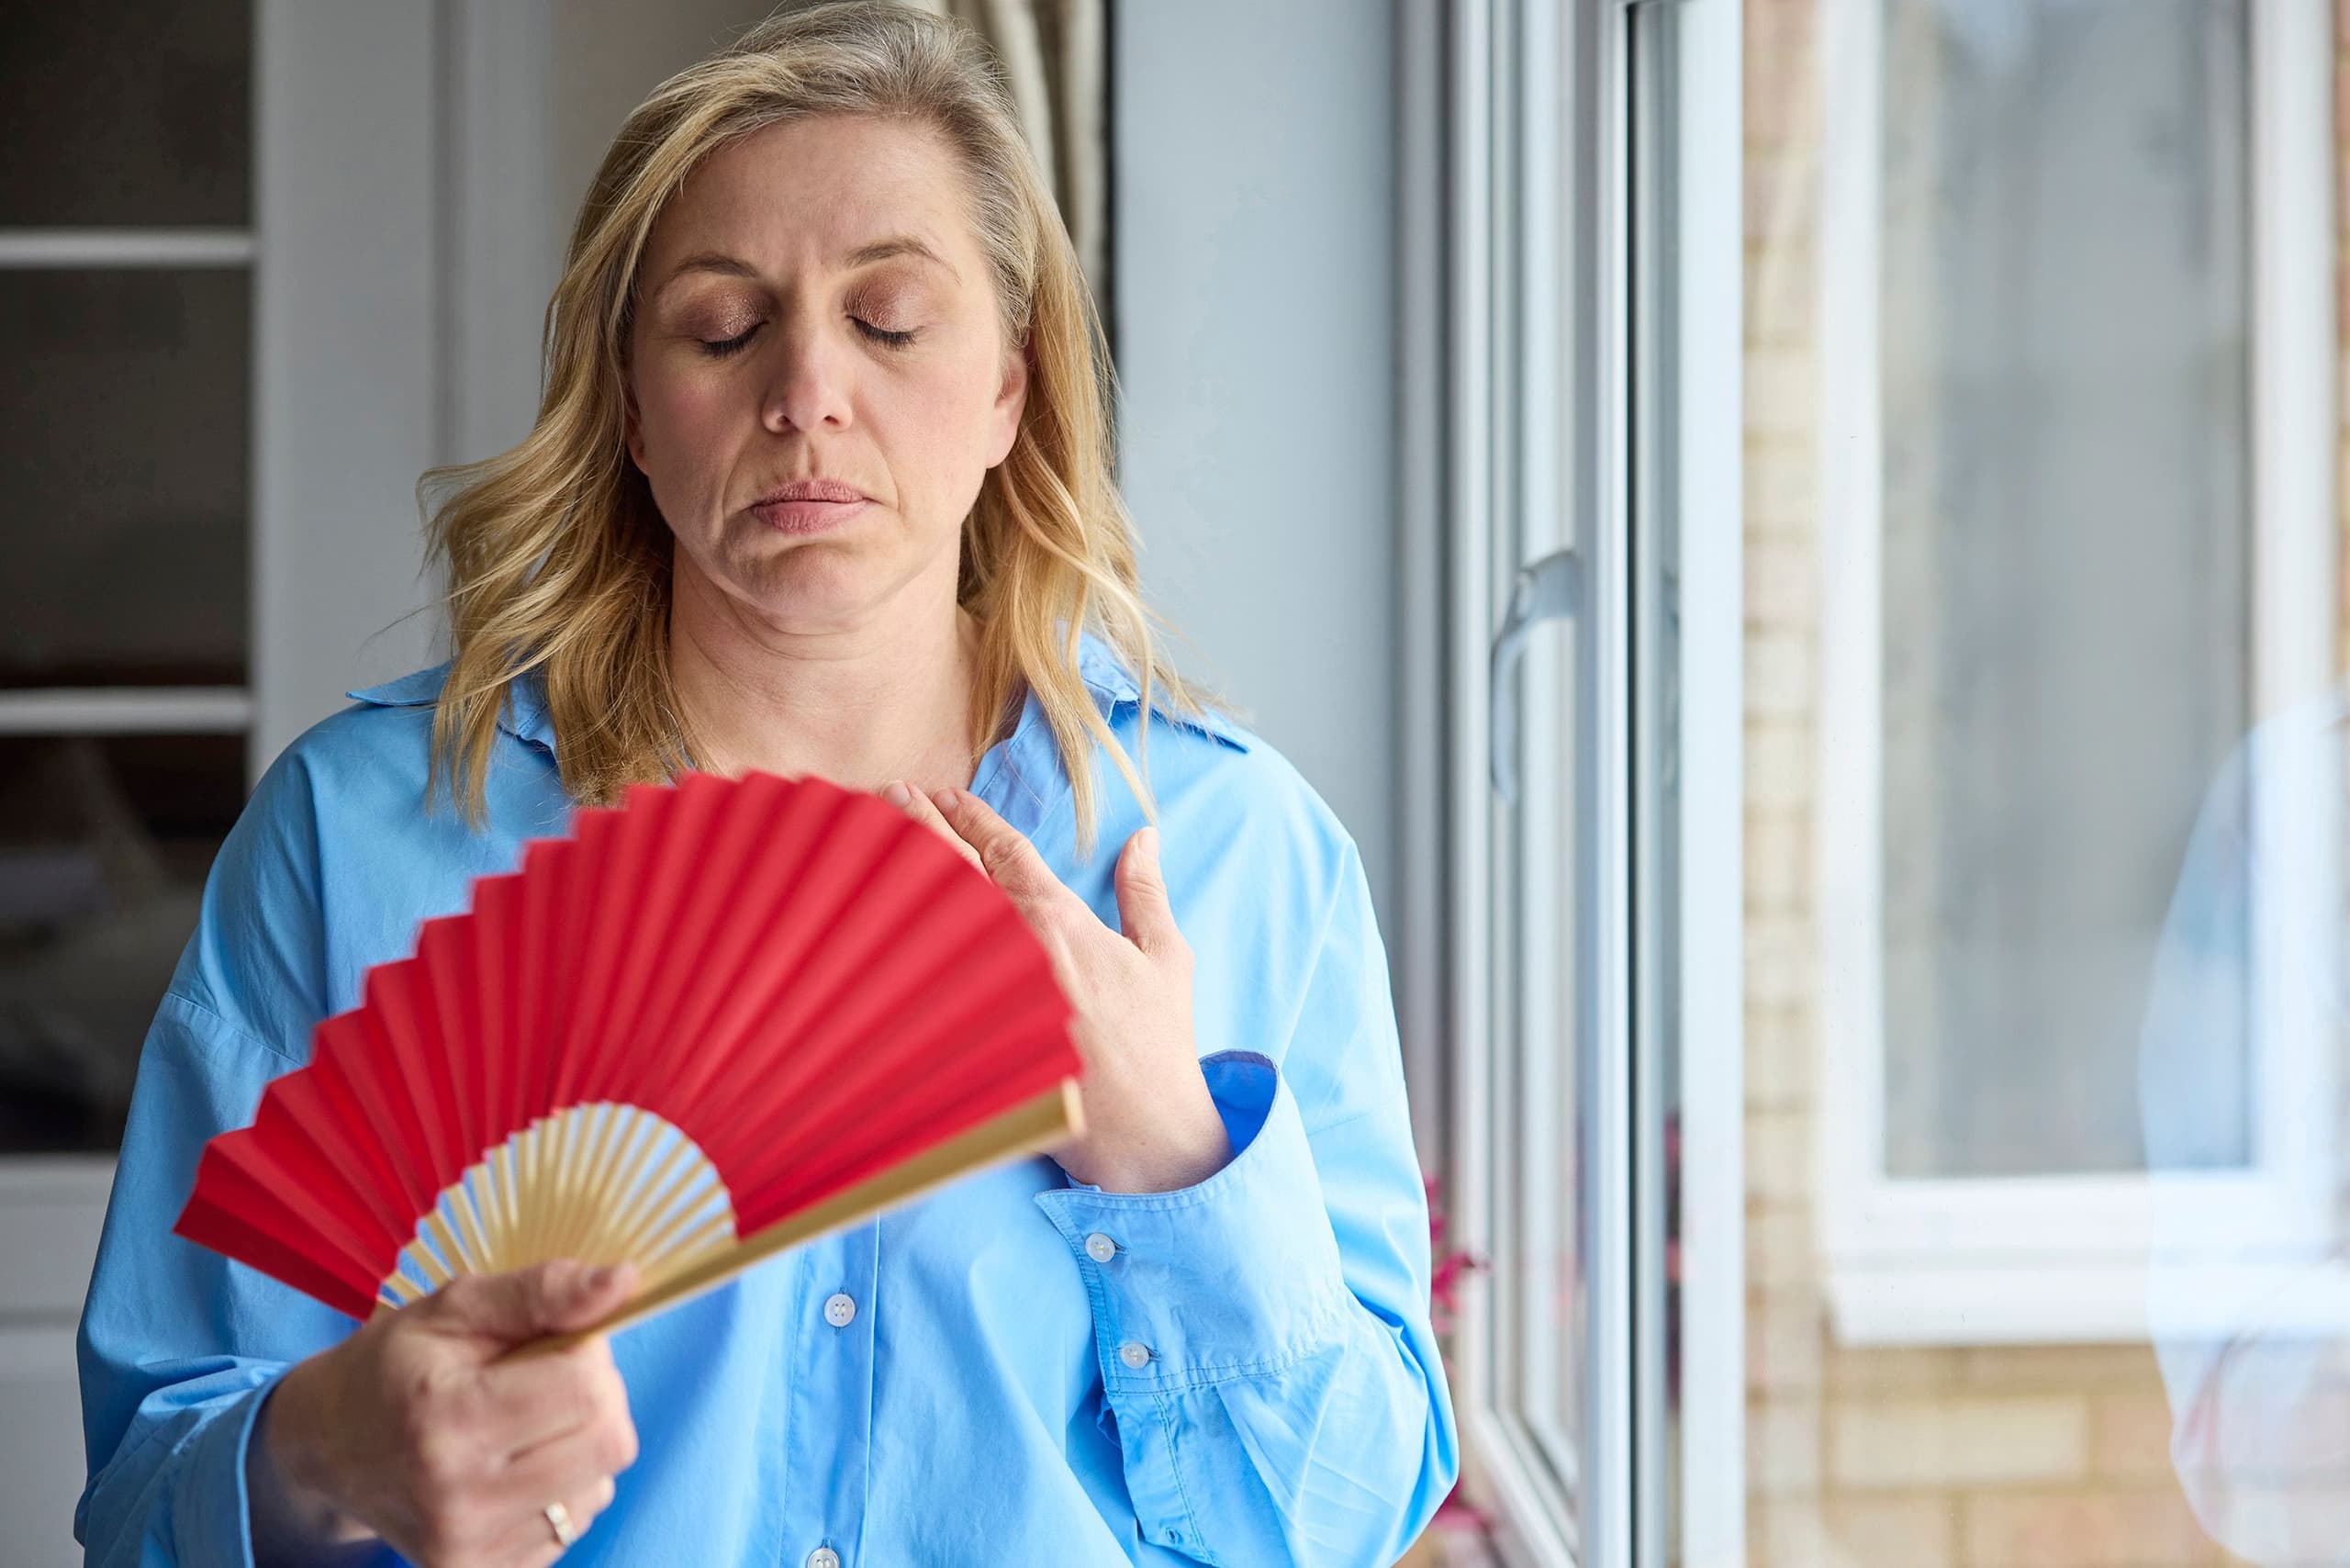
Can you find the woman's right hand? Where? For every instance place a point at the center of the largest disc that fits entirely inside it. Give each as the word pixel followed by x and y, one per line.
pixel 412 1430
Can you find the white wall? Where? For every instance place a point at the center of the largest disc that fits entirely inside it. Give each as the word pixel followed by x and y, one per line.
pixel 604 57
pixel 1254 206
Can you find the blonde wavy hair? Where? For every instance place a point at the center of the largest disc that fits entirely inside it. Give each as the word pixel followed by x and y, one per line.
pixel 554 555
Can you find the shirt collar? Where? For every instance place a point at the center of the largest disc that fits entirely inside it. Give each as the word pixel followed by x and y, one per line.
pixel 525 714
pixel 1099 666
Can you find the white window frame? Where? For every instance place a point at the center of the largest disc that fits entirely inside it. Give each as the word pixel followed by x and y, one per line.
pixel 2061 1257
pixel 1468 448
pixel 1710 249
pixel 322 80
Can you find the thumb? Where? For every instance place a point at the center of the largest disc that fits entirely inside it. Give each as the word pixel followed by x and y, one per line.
pixel 546 1298
pixel 1144 916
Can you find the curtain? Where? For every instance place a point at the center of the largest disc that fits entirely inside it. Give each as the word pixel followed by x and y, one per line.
pixel 1056 57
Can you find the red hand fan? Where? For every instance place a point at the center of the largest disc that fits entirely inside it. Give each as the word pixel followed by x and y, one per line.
pixel 719 1019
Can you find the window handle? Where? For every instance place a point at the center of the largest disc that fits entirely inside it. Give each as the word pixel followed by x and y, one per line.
pixel 1547 589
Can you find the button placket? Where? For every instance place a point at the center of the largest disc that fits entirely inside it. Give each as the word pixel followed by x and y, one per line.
pixel 828 1456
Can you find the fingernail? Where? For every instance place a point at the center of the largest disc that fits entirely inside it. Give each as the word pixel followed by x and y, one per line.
pixel 946 798
pixel 1150 838
pixel 896 794
pixel 599 1278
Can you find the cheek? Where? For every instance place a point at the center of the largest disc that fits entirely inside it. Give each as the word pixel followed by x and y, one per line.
pixel 681 413
pixel 940 432
pixel 688 430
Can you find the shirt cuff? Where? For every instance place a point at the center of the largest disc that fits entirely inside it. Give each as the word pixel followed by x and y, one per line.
pixel 1236 1275
pixel 211 1511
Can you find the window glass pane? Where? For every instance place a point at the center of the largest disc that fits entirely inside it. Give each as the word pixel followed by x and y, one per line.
pixel 2065 551
pixel 104 842
pixel 2043 783
pixel 1541 1015
pixel 1539 979
pixel 131 114
pixel 125 477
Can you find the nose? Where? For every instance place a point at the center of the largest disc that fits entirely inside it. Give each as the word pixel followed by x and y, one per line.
pixel 812 379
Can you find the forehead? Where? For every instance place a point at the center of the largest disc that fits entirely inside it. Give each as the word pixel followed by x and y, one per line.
pixel 811 192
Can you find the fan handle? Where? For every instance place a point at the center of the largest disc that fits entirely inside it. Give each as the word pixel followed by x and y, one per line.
pixel 1028 1127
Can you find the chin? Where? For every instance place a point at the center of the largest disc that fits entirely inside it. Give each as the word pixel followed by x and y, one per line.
pixel 803 590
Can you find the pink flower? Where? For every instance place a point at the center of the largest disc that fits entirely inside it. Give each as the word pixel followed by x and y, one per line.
pixel 1449 1263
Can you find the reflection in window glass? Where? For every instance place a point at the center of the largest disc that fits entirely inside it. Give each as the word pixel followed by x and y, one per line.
pixel 2066 547
pixel 125 477
pixel 153 97
pixel 104 842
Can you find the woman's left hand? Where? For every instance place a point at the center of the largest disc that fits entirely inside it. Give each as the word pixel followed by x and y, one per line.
pixel 1150 1123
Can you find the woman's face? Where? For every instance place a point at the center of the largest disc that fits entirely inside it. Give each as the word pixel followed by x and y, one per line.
pixel 790 327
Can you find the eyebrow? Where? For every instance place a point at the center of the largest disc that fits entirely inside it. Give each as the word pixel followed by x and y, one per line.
pixel 863 256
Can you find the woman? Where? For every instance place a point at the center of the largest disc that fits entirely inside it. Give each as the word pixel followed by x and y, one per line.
pixel 819 484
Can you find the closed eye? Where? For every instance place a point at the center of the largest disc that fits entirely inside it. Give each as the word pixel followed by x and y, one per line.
pixel 733 344
pixel 738 343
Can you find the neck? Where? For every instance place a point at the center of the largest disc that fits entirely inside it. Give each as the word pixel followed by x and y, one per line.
pixel 860 705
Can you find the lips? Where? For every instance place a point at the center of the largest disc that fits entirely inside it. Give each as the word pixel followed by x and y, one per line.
pixel 806 517
pixel 812 491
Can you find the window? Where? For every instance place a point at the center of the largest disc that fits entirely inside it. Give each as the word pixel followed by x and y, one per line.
pixel 238 286
pixel 2077 535
pixel 1569 256
pixel 126 301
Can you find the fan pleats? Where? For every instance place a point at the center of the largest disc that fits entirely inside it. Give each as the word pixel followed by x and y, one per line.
pixel 704 1019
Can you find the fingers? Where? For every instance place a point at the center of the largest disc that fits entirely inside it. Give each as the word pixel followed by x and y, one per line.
pixel 481 1506
pixel 1005 854
pixel 528 1538
pixel 1143 914
pixel 917 805
pixel 576 1468
pixel 551 1470
pixel 505 1494
pixel 538 1399
pixel 547 1298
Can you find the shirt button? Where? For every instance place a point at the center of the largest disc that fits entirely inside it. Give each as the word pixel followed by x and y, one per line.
pixel 1100 1248
pixel 824 1556
pixel 840 1311
pixel 1135 1353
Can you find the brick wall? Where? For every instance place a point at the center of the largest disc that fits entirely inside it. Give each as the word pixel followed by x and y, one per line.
pixel 1980 1458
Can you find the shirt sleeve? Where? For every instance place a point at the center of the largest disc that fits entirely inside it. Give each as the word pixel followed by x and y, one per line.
pixel 1264 1335
pixel 177 1347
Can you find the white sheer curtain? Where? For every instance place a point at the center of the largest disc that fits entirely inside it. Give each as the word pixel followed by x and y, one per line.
pixel 1056 57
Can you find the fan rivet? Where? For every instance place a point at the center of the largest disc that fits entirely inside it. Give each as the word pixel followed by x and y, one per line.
pixel 1100 1248
pixel 840 1311
pixel 1135 1353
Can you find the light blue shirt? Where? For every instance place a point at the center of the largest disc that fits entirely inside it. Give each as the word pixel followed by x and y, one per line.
pixel 979 1407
